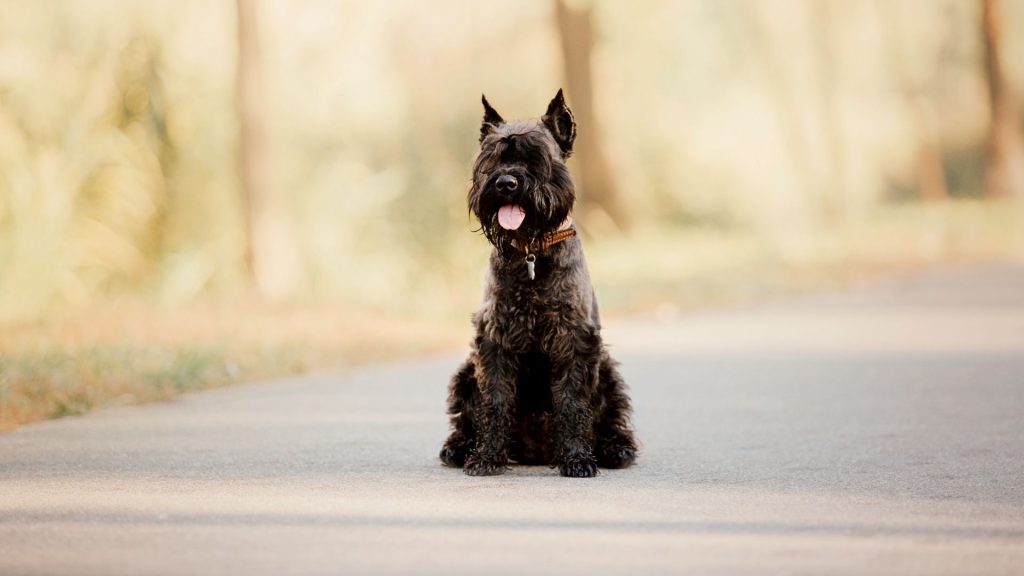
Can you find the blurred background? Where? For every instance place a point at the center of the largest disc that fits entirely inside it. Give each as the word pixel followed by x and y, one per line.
pixel 196 192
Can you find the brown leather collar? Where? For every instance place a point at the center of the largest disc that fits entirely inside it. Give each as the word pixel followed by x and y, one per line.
pixel 549 240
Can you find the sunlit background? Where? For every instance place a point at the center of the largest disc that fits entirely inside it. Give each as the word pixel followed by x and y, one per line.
pixel 181 176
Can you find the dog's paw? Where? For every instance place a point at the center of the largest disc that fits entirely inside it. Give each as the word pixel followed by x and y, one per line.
pixel 578 467
pixel 454 456
pixel 476 467
pixel 616 454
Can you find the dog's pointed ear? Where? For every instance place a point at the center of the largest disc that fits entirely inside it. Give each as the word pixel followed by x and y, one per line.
pixel 560 121
pixel 491 119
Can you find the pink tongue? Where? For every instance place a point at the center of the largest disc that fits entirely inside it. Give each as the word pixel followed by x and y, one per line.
pixel 511 216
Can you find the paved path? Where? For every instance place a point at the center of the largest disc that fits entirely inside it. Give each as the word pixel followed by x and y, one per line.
pixel 878 431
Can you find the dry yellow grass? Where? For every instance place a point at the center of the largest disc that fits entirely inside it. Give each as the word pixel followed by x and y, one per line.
pixel 696 266
pixel 124 354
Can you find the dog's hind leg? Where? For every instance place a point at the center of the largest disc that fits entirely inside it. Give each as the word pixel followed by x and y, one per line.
pixel 462 401
pixel 616 447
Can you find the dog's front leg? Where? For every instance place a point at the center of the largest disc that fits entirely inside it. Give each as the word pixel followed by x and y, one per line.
pixel 496 370
pixel 572 386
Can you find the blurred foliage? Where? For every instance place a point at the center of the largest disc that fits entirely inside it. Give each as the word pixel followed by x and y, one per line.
pixel 767 122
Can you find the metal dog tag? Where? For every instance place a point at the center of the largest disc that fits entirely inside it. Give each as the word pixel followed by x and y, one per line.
pixel 530 261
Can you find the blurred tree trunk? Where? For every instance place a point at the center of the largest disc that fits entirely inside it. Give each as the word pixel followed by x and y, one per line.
pixel 270 253
pixel 835 188
pixel 597 183
pixel 928 167
pixel 1005 172
pixel 798 148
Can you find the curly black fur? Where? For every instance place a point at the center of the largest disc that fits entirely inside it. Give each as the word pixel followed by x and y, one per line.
pixel 539 386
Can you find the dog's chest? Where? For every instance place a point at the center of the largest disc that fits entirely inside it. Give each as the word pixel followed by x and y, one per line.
pixel 529 317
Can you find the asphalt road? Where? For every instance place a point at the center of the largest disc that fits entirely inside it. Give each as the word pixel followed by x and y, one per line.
pixel 875 431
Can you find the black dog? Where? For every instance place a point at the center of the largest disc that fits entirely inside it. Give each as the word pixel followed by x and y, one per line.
pixel 539 386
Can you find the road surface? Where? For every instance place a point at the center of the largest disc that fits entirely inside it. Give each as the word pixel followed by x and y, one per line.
pixel 874 431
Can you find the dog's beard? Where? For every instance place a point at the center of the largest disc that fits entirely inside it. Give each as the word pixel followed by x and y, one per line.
pixel 542 216
pixel 509 240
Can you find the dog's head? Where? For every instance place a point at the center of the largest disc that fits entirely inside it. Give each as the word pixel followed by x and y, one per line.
pixel 521 187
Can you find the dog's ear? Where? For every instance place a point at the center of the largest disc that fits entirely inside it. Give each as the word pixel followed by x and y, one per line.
pixel 491 119
pixel 560 122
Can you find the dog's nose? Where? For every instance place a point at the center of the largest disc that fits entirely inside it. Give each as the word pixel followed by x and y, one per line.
pixel 506 183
